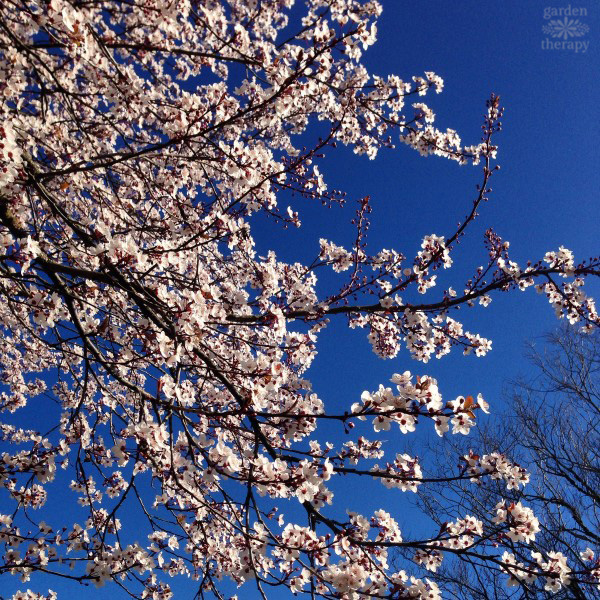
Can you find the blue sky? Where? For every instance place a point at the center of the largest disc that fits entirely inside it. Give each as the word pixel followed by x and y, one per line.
pixel 546 194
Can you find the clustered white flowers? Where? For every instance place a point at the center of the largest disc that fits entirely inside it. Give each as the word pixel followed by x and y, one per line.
pixel 165 360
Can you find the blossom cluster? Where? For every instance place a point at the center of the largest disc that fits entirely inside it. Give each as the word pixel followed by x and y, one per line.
pixel 414 400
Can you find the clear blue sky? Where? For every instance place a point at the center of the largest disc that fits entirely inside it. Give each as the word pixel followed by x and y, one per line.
pixel 546 194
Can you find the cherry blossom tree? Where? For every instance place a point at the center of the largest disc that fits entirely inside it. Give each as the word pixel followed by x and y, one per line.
pixel 138 141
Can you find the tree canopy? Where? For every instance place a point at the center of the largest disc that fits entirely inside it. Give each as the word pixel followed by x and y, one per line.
pixel 169 360
pixel 551 424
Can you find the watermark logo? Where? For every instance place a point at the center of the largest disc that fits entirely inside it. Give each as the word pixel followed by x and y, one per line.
pixel 566 30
